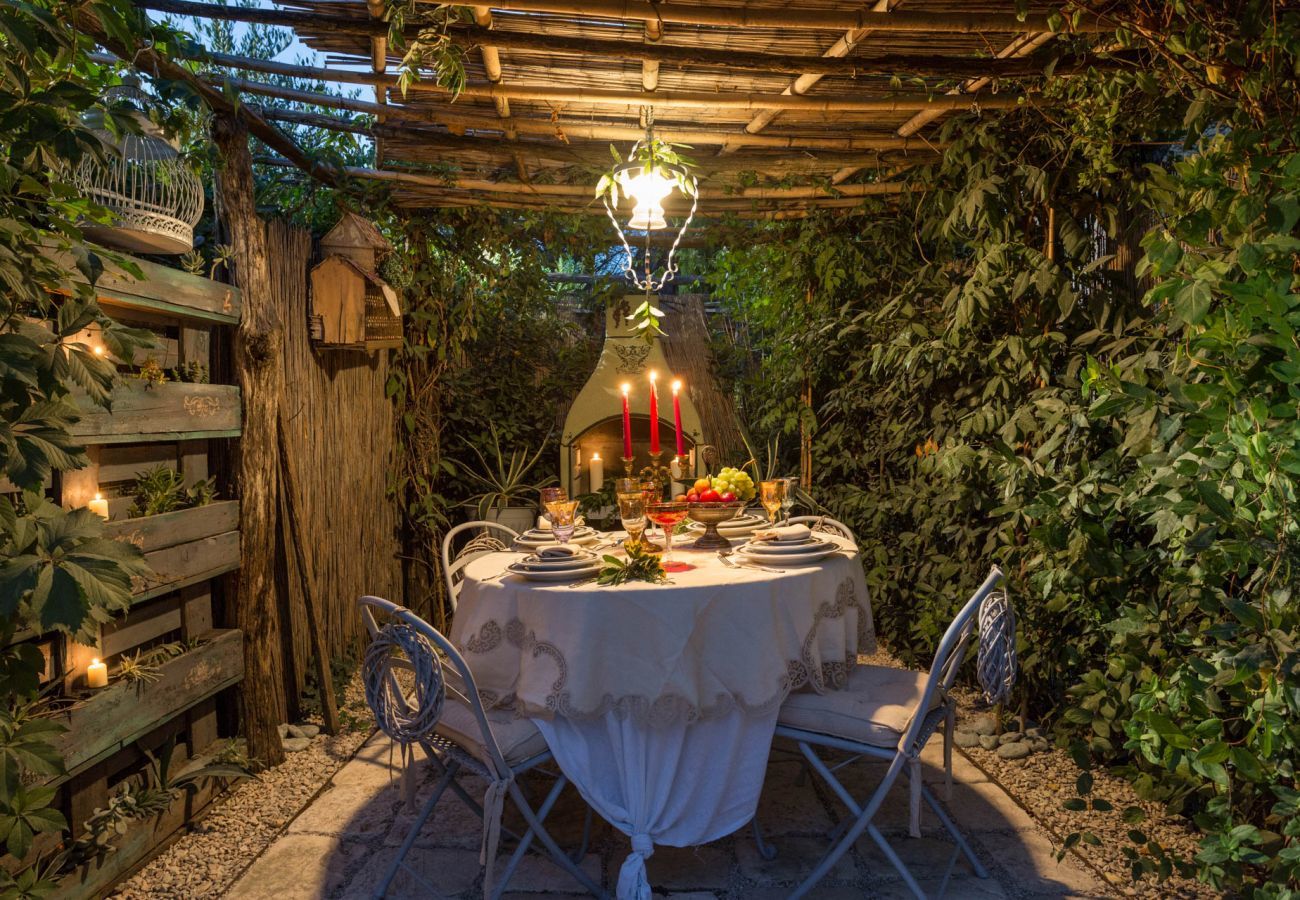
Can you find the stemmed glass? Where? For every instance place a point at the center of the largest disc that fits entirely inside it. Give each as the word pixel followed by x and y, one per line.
pixel 772 494
pixel 631 510
pixel 668 516
pixel 791 491
pixel 550 495
pixel 563 513
pixel 654 493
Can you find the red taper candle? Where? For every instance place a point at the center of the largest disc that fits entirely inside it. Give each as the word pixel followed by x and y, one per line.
pixel 627 424
pixel 654 412
pixel 677 416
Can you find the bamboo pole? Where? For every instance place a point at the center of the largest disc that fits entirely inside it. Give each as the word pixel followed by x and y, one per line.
pixel 652 32
pixel 315 613
pixel 580 129
pixel 819 103
pixel 936 65
pixel 795 16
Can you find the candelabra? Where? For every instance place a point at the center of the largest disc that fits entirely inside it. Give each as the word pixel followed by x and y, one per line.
pixel 657 472
pixel 627 466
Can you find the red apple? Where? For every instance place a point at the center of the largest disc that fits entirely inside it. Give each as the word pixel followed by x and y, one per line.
pixel 692 497
pixel 681 498
pixel 728 497
pixel 710 496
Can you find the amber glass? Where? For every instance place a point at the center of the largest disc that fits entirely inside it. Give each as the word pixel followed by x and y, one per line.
pixel 667 516
pixel 772 494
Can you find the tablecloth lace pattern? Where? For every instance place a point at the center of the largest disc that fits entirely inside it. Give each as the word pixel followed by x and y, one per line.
pixel 666 709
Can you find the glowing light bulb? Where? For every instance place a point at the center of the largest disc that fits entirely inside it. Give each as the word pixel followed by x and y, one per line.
pixel 648 190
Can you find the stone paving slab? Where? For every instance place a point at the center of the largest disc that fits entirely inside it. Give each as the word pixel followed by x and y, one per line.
pixel 341 844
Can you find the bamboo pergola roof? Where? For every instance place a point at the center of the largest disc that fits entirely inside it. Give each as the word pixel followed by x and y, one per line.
pixel 807 104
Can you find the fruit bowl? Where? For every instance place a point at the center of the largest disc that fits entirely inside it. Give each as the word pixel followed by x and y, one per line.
pixel 710 515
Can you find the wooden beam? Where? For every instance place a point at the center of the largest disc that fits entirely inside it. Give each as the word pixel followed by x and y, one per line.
pixel 379 65
pixel 652 31
pixel 581 129
pixel 805 81
pixel 818 103
pixel 801 17
pixel 936 65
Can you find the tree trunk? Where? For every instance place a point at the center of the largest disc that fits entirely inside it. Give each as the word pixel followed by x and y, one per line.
pixel 258 347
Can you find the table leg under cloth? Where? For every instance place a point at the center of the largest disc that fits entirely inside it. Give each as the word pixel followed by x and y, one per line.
pixel 679 784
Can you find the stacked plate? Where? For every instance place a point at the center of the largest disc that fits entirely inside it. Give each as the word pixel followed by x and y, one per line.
pixel 536 537
pixel 741 526
pixel 788 553
pixel 577 565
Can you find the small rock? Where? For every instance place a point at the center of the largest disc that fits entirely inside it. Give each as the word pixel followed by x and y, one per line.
pixel 295 731
pixel 284 730
pixel 988 742
pixel 1011 737
pixel 1040 745
pixel 1034 732
pixel 966 739
pixel 308 731
pixel 294 744
pixel 1014 750
pixel 985 724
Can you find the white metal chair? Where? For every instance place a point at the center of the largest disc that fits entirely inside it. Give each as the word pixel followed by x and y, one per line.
pixel 887 713
pixel 492 537
pixel 825 525
pixel 459 734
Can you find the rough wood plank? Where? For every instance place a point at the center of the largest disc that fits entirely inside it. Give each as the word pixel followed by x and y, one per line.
pixel 169 411
pixel 162 289
pixel 123 462
pixel 141 625
pixel 151 533
pixel 196 610
pixel 186 564
pixel 119 714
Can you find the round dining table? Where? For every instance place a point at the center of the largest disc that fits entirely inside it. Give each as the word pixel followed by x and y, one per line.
pixel 659 701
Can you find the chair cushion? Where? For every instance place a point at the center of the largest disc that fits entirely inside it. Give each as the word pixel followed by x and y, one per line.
pixel 874 708
pixel 517 737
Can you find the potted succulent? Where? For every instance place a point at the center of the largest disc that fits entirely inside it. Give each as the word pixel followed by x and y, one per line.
pixel 504 485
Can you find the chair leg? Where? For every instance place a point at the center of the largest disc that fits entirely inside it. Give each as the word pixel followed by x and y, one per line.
pixel 581 853
pixel 864 815
pixel 949 724
pixel 535 827
pixel 914 798
pixel 951 828
pixel 449 772
pixel 765 850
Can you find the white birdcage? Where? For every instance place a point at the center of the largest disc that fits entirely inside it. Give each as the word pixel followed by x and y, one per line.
pixel 155 197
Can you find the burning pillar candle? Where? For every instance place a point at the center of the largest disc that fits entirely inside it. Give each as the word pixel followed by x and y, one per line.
pixel 96 674
pixel 596 472
pixel 677 417
pixel 99 506
pixel 675 470
pixel 654 413
pixel 627 423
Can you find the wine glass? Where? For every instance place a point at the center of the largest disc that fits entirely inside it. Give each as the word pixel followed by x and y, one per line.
pixel 772 494
pixel 791 492
pixel 550 495
pixel 563 513
pixel 654 493
pixel 631 510
pixel 668 516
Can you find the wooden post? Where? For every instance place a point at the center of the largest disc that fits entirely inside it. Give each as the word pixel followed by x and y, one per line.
pixel 258 346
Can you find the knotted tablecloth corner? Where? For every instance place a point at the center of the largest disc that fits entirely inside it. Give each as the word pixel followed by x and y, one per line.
pixel 632 881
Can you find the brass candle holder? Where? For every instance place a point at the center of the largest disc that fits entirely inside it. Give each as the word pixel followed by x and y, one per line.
pixel 627 466
pixel 657 471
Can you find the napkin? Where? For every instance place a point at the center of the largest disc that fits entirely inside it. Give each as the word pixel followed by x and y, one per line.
pixel 784 533
pixel 557 553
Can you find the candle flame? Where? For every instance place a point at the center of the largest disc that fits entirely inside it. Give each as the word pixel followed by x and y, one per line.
pixel 654 376
pixel 625 387
pixel 677 385
pixel 94 661
pixel 595 457
pixel 98 495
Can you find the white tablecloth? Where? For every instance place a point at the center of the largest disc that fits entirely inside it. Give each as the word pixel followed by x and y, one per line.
pixel 659 701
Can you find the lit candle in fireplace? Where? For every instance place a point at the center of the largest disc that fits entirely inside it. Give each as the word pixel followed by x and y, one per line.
pixel 627 423
pixel 596 472
pixel 677 415
pixel 654 413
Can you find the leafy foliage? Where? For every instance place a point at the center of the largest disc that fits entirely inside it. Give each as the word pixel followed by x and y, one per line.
pixel 640 565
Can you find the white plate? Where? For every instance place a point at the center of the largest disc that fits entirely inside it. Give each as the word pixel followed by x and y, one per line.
pixel 786 548
pixel 577 540
pixel 577 562
pixel 788 559
pixel 553 574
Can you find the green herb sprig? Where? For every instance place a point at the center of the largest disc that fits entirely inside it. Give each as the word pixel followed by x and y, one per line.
pixel 640 566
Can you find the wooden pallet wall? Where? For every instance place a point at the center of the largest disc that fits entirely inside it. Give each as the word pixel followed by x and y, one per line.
pixel 176 425
pixel 339 426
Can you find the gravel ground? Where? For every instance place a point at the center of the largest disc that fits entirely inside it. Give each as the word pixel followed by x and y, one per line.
pixel 206 860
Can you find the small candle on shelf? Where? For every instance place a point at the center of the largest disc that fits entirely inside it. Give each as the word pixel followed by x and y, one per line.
pixel 627 423
pixel 677 415
pixel 99 506
pixel 596 472
pixel 654 412
pixel 96 674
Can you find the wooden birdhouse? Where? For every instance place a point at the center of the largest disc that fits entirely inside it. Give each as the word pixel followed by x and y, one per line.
pixel 352 307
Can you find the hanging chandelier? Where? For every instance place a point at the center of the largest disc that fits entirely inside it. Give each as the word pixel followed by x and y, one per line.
pixel 653 170
pixel 153 194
